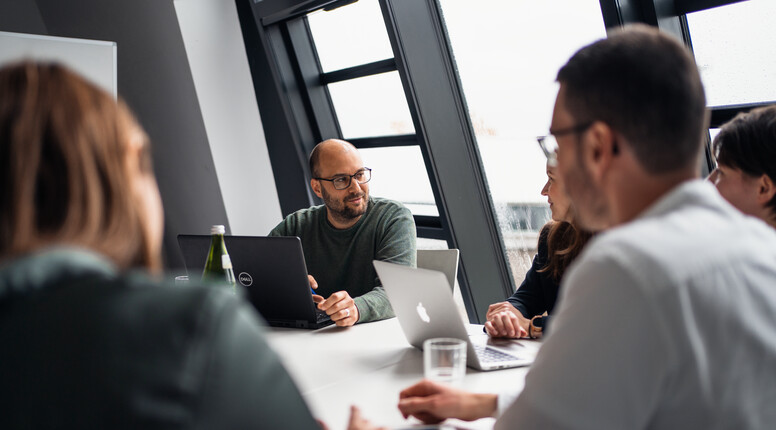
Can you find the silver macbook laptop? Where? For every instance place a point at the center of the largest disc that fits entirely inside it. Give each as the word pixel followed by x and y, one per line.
pixel 273 272
pixel 425 308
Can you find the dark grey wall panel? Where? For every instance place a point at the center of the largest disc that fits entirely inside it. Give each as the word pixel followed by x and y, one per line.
pixel 155 80
pixel 21 16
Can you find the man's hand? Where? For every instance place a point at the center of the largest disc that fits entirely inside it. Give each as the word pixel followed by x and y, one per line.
pixel 504 320
pixel 433 403
pixel 359 423
pixel 341 308
pixel 314 285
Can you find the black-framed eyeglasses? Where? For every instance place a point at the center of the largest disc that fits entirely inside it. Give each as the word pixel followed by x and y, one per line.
pixel 340 182
pixel 549 143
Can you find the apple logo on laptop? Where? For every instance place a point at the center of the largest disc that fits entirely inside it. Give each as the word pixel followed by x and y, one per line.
pixel 245 279
pixel 422 313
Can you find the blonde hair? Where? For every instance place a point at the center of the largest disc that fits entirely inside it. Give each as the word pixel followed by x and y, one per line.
pixel 64 145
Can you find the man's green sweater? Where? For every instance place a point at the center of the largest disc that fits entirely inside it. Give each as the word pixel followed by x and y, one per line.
pixel 342 259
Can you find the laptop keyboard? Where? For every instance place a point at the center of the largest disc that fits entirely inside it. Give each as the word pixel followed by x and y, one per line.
pixel 491 355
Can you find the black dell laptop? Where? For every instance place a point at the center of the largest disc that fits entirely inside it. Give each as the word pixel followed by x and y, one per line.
pixel 272 271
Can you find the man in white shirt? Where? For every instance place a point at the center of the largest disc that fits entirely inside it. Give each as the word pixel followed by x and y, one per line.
pixel 668 318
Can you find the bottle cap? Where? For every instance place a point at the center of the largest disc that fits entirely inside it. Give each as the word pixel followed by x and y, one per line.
pixel 217 229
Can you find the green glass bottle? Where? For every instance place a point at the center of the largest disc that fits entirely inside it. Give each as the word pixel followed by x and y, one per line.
pixel 218 267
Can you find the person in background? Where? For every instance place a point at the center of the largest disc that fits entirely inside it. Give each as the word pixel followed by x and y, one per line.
pixel 560 242
pixel 668 317
pixel 745 150
pixel 90 339
pixel 343 236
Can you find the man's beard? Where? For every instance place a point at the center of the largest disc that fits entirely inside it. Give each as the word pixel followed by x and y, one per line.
pixel 591 211
pixel 341 211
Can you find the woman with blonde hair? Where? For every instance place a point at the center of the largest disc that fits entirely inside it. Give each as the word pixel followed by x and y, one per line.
pixel 89 339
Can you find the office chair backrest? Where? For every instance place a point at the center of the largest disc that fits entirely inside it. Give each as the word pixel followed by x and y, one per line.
pixel 441 260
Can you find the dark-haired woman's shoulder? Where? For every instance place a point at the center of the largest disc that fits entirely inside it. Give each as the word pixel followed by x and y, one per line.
pixel 537 293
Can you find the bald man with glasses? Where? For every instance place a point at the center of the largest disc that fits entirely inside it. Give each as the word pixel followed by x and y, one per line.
pixel 341 237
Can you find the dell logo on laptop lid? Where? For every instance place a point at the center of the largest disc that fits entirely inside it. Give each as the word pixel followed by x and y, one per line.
pixel 245 279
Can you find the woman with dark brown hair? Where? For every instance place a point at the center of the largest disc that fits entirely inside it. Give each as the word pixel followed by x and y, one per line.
pixel 89 340
pixel 745 151
pixel 526 313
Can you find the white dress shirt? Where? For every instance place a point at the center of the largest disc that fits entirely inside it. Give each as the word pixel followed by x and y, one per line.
pixel 666 322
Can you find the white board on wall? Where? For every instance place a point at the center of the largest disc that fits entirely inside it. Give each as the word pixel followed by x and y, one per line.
pixel 94 59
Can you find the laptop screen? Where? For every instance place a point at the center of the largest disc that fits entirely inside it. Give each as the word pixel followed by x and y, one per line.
pixel 271 269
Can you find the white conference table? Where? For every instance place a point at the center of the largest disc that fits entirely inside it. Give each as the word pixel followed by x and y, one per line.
pixel 367 365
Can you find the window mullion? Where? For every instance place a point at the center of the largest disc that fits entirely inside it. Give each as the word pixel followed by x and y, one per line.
pixel 446 137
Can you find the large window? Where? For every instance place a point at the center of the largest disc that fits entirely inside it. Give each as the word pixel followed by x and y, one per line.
pixel 733 48
pixel 508 53
pixel 735 51
pixel 371 104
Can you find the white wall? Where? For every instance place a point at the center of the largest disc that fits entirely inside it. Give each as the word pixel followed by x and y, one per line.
pixel 94 59
pixel 219 66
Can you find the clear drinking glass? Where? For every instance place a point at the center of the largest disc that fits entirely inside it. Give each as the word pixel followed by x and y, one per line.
pixel 444 359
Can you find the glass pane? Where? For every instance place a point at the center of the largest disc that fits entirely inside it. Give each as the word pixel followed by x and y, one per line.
pixel 735 51
pixel 350 36
pixel 398 173
pixel 426 243
pixel 508 54
pixel 713 132
pixel 372 106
